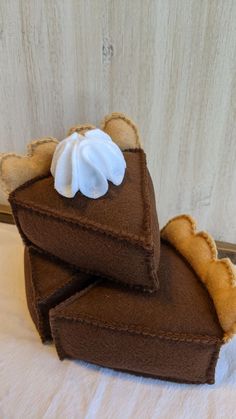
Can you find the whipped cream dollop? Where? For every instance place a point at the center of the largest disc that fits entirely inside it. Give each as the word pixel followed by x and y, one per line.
pixel 86 163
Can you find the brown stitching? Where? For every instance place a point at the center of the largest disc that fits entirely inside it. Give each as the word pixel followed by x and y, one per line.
pixel 86 224
pixel 39 302
pixel 140 242
pixel 39 317
pixel 89 272
pixel 54 312
pixel 136 287
pixel 67 284
pixel 96 227
pixel 79 128
pixel 232 277
pixel 37 251
pixel 17 223
pixel 210 370
pixel 117 115
pixel 210 374
pixel 214 257
pixel 210 241
pixel 35 143
pixel 56 337
pixel 70 281
pixel 138 330
pixel 62 355
pixel 147 221
pixel 28 243
pixel 179 217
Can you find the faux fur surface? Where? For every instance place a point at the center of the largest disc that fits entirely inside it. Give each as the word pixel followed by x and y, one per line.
pixel 17 169
pixel 218 275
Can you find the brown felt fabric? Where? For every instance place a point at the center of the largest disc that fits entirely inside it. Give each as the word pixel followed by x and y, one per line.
pixel 47 283
pixel 172 334
pixel 116 236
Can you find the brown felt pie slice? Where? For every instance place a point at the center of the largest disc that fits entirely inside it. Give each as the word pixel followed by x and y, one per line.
pixel 116 236
pixel 48 282
pixel 173 334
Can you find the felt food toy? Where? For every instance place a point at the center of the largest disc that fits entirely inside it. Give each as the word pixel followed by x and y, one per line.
pixel 16 169
pixel 115 235
pixel 174 334
pixel 87 216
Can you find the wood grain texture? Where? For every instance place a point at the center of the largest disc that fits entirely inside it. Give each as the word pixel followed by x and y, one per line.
pixel 169 64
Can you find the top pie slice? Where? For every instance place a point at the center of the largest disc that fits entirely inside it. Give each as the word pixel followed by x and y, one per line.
pixel 115 236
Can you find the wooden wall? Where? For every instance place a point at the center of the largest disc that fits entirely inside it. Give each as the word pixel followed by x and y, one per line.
pixel 169 64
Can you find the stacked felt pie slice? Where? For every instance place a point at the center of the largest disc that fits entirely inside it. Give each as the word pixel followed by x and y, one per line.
pixel 172 334
pixel 116 236
pixel 101 282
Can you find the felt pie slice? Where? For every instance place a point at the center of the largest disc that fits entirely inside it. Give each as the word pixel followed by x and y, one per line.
pixel 116 236
pixel 173 334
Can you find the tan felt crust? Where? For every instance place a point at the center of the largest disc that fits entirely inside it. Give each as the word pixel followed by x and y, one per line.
pixel 16 169
pixel 122 130
pixel 80 129
pixel 218 275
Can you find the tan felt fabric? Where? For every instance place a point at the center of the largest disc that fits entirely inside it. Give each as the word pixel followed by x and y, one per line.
pixel 80 129
pixel 16 169
pixel 218 275
pixel 122 130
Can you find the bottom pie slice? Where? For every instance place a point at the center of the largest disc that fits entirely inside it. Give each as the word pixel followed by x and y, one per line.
pixel 173 334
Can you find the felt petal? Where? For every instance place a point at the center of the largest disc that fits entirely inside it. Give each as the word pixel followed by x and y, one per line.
pixel 97 134
pixel 65 178
pixel 108 159
pixel 92 182
pixel 87 163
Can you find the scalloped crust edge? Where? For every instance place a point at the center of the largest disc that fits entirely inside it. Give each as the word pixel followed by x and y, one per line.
pixel 80 129
pixel 123 131
pixel 218 275
pixel 14 174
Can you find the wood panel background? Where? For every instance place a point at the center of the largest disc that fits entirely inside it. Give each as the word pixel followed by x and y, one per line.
pixel 169 64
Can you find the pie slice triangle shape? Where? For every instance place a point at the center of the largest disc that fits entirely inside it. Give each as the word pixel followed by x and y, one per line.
pixel 173 334
pixel 116 236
